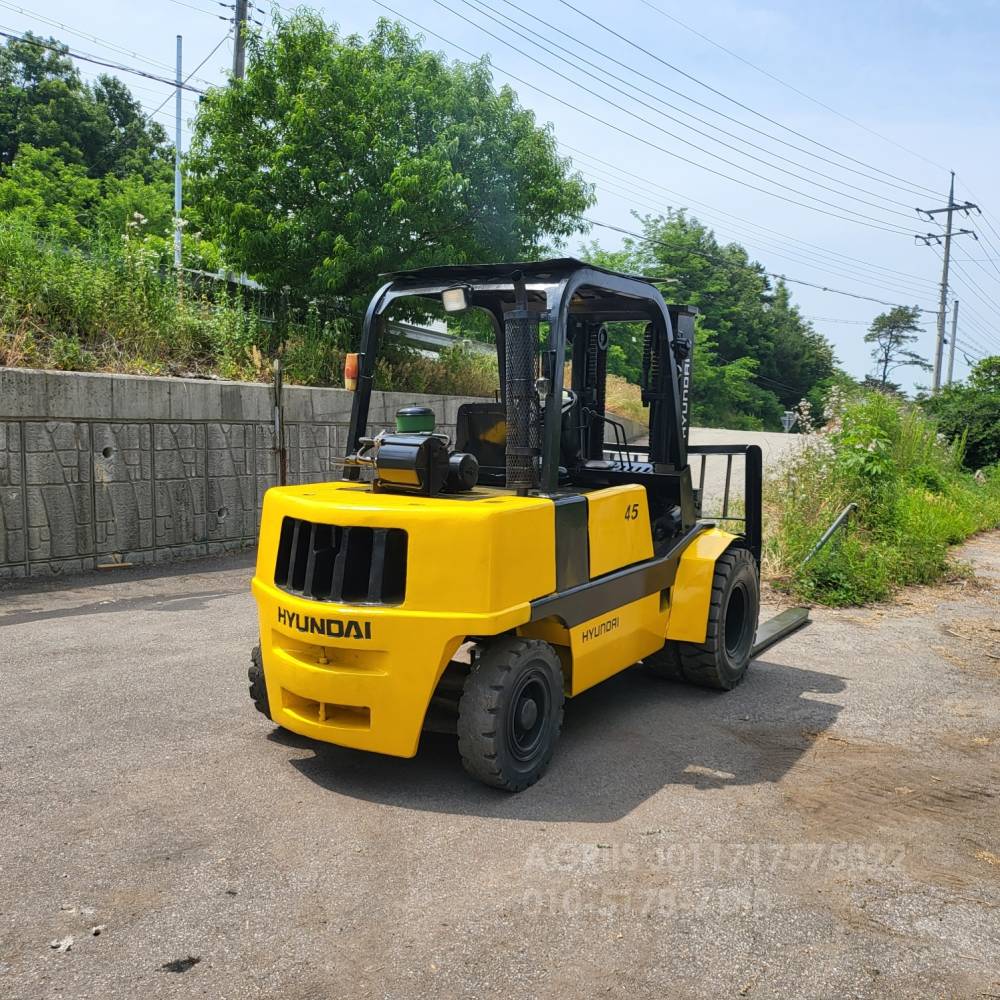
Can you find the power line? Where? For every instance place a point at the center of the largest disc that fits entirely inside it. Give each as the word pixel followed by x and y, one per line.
pixel 986 299
pixel 104 43
pixel 146 118
pixel 767 380
pixel 833 319
pixel 66 51
pixel 973 320
pixel 218 46
pixel 688 143
pixel 201 10
pixel 977 319
pixel 632 198
pixel 527 33
pixel 889 228
pixel 646 182
pixel 721 260
pixel 701 83
pixel 968 344
pixel 993 252
pixel 791 87
pixel 812 258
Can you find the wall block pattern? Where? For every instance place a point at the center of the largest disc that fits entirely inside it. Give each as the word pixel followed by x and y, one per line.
pixel 98 469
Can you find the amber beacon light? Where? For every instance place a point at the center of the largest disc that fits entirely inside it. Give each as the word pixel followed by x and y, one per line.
pixel 351 372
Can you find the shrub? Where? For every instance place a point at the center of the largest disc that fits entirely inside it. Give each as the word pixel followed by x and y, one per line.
pixel 970 413
pixel 913 500
pixel 456 371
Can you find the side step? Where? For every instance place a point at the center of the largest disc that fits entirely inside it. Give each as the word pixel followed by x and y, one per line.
pixel 777 628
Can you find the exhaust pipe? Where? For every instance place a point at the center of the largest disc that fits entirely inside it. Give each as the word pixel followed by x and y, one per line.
pixel 521 334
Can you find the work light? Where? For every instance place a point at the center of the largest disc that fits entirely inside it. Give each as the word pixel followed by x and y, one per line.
pixel 456 299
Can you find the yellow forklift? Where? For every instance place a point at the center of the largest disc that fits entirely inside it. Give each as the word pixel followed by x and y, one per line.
pixel 473 585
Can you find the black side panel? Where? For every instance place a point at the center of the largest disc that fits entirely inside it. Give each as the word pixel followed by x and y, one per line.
pixel 482 432
pixel 588 600
pixel 572 542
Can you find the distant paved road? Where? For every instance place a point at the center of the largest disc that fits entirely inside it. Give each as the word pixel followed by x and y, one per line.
pixel 776 447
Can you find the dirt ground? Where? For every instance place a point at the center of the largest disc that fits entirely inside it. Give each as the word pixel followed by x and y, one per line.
pixel 829 829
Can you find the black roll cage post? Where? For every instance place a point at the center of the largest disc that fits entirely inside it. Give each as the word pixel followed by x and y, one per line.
pixel 668 446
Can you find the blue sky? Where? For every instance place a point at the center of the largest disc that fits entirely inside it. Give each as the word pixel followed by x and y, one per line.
pixel 922 73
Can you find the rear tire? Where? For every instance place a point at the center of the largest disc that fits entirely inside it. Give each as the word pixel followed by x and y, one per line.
pixel 721 661
pixel 510 713
pixel 258 689
pixel 666 662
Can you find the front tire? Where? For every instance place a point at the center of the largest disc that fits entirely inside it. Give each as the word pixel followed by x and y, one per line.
pixel 721 661
pixel 510 713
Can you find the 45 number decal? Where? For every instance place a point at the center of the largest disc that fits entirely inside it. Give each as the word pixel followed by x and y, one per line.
pixel 632 512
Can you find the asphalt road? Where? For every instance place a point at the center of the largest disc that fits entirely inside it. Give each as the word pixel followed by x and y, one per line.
pixel 827 830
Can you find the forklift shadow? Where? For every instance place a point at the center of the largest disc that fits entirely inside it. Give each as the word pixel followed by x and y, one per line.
pixel 622 742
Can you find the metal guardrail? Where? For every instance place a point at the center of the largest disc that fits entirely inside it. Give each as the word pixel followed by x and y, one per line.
pixel 838 522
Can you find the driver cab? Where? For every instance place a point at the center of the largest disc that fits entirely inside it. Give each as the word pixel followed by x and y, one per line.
pixel 548 432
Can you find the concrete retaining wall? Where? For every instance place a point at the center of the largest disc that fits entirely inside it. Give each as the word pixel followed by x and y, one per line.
pixel 97 469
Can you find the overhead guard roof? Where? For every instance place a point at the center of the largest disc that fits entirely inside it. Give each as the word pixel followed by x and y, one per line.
pixel 531 270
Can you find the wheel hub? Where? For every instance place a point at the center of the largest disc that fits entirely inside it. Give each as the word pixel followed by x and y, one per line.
pixel 528 714
pixel 529 709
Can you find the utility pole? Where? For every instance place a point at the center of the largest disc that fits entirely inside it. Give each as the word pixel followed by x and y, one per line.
pixel 944 238
pixel 239 40
pixel 178 109
pixel 954 334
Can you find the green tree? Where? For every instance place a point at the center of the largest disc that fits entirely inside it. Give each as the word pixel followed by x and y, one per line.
pixel 55 197
pixel 793 356
pixel 891 332
pixel 45 103
pixel 985 377
pixel 339 158
pixel 131 198
pixel 754 354
pixel 971 411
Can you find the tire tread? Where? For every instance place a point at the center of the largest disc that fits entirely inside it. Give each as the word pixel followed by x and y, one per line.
pixel 698 664
pixel 258 689
pixel 479 706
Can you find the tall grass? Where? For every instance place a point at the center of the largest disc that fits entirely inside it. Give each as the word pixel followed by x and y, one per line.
pixel 112 308
pixel 914 501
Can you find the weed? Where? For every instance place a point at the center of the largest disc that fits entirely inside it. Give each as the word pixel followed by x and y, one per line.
pixel 914 501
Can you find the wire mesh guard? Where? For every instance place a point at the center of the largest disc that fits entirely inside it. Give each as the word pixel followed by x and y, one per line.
pixel 521 330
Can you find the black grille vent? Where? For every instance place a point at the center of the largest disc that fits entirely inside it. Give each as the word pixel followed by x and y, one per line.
pixel 352 565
